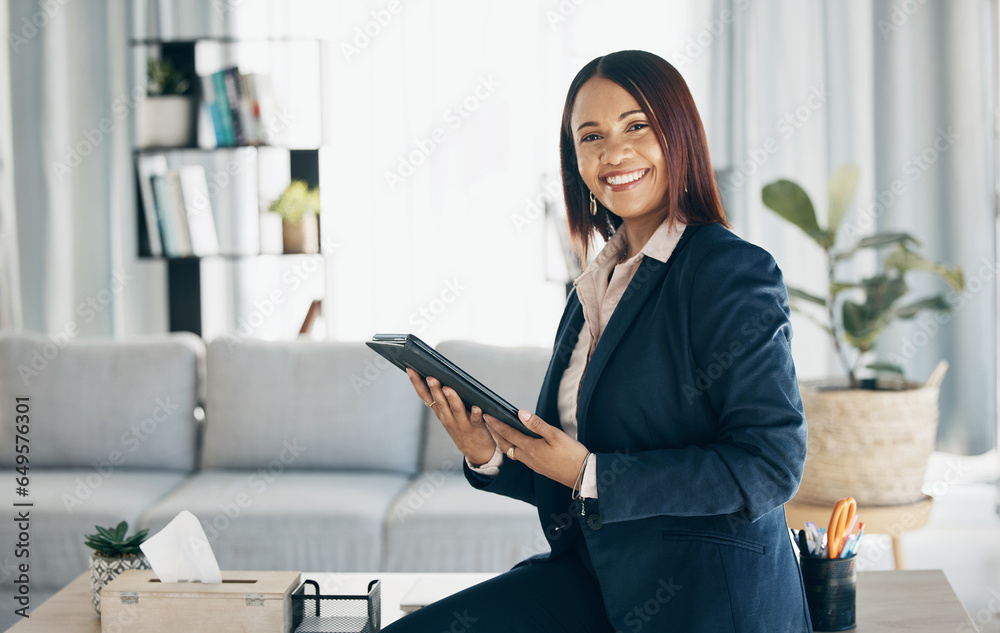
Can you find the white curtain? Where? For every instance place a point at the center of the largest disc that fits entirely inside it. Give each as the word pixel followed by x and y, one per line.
pixel 907 91
pixel 10 282
pixel 72 106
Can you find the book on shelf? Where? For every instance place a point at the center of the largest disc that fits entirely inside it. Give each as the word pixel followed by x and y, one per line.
pixel 211 105
pixel 174 209
pixel 147 166
pixel 184 211
pixel 198 210
pixel 222 105
pixel 169 232
pixel 238 105
pixel 232 83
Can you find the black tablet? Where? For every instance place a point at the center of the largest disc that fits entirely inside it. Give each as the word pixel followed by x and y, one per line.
pixel 408 351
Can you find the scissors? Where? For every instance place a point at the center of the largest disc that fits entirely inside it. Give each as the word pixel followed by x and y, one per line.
pixel 841 522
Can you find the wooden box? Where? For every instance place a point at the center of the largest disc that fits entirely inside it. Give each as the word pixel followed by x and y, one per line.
pixel 246 601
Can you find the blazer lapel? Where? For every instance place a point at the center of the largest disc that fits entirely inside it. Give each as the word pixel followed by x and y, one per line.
pixel 647 279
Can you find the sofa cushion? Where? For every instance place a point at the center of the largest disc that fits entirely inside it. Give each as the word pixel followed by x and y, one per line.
pixel 442 524
pixel 326 397
pixel 68 504
pixel 123 402
pixel 513 373
pixel 270 519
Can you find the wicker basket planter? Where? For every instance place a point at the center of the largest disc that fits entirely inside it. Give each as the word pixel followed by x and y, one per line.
pixel 873 445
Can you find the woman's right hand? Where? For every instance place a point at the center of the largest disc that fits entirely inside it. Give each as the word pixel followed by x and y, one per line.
pixel 469 433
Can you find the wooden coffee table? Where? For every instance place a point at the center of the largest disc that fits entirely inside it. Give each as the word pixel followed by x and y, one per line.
pixel 888 601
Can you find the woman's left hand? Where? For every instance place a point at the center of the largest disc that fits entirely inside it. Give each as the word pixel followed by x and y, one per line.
pixel 554 455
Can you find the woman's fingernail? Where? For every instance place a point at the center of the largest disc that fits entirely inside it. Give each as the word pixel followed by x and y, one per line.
pixel 448 392
pixel 524 415
pixel 476 411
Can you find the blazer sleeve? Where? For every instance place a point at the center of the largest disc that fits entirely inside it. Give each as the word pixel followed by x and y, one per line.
pixel 738 306
pixel 514 480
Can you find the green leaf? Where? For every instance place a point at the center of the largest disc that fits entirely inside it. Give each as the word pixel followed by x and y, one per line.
pixel 791 202
pixel 837 287
pixel 911 310
pixel 121 530
pixel 904 260
pixel 805 296
pixel 105 532
pixel 841 187
pixel 877 240
pixel 882 293
pixel 857 321
pixel 896 369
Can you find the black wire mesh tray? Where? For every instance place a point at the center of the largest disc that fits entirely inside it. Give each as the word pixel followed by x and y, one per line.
pixel 315 613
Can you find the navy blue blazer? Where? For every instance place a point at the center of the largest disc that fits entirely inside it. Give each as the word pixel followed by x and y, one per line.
pixel 690 402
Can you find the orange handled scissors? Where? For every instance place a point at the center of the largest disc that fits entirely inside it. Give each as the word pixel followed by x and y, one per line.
pixel 841 522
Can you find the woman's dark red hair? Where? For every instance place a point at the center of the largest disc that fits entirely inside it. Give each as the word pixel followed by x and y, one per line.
pixel 662 93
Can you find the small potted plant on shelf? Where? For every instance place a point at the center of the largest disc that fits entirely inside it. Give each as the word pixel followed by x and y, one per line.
pixel 113 553
pixel 165 118
pixel 871 435
pixel 298 206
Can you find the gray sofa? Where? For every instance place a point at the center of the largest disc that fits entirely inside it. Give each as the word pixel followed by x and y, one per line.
pixel 294 455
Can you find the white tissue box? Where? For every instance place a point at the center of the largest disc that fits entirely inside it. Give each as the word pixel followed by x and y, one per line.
pixel 251 601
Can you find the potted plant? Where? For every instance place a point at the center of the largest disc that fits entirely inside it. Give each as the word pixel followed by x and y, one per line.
pixel 165 118
pixel 298 206
pixel 113 553
pixel 872 432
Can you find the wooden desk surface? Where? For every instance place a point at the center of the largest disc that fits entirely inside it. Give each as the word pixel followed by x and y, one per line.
pixel 888 602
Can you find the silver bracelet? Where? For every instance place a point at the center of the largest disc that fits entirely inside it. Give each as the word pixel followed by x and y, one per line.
pixel 579 478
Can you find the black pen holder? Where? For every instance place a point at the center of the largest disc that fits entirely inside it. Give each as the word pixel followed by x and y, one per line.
pixel 831 587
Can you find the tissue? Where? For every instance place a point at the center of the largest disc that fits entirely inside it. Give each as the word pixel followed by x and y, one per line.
pixel 180 552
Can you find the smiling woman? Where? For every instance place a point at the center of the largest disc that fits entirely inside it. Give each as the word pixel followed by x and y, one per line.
pixel 638 156
pixel 651 483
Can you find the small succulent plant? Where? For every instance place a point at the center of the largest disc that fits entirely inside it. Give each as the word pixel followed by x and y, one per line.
pixel 113 543
pixel 164 79
pixel 295 201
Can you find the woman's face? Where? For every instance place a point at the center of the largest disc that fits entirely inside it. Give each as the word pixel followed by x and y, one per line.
pixel 619 156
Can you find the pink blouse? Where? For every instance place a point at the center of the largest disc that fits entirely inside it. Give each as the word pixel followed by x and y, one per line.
pixel 599 290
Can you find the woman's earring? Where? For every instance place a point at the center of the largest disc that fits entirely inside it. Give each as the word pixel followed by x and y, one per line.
pixel 593 204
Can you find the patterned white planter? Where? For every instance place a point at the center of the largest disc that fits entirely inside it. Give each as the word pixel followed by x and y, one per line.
pixel 104 569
